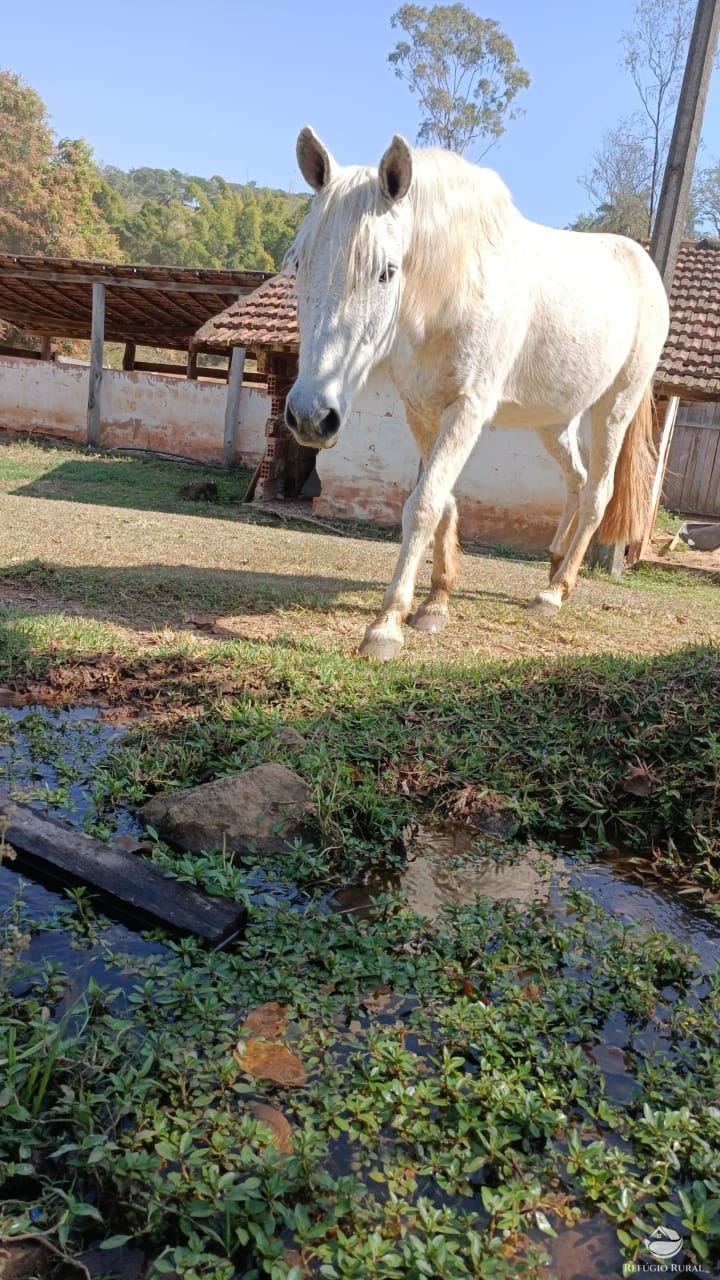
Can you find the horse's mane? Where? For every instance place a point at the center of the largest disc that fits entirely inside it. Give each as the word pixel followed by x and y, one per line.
pixel 459 213
pixel 341 223
pixel 446 187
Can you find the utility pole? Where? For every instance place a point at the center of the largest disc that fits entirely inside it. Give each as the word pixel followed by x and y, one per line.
pixel 680 167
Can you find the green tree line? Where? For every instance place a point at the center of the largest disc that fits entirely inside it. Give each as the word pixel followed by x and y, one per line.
pixel 57 202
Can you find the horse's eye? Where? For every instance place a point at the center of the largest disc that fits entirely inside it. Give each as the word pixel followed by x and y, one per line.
pixel 387 274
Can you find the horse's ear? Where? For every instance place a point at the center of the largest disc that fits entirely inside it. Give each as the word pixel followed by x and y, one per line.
pixel 316 164
pixel 395 170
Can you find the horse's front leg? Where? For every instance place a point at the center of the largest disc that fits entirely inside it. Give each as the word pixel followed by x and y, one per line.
pixel 432 614
pixel 427 504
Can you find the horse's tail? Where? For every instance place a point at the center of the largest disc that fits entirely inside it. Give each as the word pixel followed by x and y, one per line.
pixel 627 511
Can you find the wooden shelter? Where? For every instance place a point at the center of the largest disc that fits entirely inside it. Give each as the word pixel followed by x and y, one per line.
pixel 155 306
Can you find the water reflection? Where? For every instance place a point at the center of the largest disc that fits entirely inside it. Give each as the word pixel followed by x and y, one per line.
pixel 446 866
pixel 442 868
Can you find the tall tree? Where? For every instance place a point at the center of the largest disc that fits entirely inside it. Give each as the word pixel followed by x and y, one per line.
pixel 618 183
pixel 654 51
pixel 47 188
pixel 464 71
pixel 626 173
pixel 706 198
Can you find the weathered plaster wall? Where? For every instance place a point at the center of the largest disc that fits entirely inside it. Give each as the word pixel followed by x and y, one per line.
pixel 36 396
pixel 510 492
pixel 138 410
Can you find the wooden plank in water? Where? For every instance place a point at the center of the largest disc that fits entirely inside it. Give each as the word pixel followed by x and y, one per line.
pixel 143 892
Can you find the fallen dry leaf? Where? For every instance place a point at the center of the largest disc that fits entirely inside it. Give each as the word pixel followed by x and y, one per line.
pixel 639 780
pixel 275 1121
pixel 376 1000
pixel 269 1062
pixel 130 844
pixel 267 1021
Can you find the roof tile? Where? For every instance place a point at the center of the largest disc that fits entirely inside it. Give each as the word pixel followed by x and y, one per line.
pixel 267 319
pixel 690 363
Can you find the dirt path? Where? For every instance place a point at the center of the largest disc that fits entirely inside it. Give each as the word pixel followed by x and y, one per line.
pixel 151 574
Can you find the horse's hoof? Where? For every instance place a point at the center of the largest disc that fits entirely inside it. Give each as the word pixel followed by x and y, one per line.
pixel 381 648
pixel 547 602
pixel 428 621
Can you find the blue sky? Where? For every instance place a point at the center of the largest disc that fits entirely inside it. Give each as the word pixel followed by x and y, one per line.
pixel 223 88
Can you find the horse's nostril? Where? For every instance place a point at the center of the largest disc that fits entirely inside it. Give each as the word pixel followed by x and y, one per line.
pixel 290 417
pixel 330 424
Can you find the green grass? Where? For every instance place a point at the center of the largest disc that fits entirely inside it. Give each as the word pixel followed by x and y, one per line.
pixel 582 750
pixel 56 473
pixel 667 521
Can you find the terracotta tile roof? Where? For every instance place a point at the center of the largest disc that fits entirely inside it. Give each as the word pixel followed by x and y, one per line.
pixel 266 319
pixel 690 364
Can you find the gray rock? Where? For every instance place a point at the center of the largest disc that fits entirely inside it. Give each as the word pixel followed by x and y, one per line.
pixel 262 809
pixel 199 491
pixel 287 736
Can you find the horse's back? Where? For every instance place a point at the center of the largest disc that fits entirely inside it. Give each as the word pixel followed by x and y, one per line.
pixel 597 288
pixel 595 311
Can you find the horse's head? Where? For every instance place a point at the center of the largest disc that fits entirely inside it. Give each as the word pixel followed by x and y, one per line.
pixel 348 255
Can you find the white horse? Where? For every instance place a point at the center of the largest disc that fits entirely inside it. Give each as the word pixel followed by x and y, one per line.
pixel 483 316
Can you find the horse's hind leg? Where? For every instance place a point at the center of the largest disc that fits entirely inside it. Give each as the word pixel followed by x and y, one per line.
pixel 432 614
pixel 610 418
pixel 568 451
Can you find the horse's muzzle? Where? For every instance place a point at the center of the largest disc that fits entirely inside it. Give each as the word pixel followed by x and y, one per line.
pixel 318 430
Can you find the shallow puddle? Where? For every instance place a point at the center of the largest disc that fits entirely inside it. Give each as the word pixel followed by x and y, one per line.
pixel 58 751
pixel 52 757
pixel 445 867
pixel 78 958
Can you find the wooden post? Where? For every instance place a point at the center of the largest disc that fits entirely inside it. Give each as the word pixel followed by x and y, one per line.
pixel 192 363
pixel 607 557
pixel 129 356
pixel 96 364
pixel 232 404
pixel 46 351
